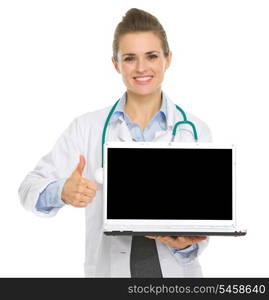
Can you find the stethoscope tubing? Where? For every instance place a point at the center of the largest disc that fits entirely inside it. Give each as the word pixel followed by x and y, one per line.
pixel 174 130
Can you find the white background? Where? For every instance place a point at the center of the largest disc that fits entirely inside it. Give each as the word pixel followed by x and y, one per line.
pixel 55 64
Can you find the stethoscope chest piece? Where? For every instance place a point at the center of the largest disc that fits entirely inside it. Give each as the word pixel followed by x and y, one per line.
pixel 99 175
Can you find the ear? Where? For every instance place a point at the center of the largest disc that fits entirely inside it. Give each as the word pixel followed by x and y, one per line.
pixel 168 60
pixel 116 64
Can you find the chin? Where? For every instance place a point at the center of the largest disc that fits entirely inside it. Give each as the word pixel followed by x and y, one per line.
pixel 144 92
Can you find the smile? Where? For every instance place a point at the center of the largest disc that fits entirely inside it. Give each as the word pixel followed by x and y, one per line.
pixel 143 79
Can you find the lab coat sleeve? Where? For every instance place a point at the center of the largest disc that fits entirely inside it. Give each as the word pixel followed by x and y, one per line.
pixel 202 245
pixel 51 196
pixel 59 163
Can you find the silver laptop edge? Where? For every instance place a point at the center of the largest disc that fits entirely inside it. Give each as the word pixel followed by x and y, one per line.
pixel 192 227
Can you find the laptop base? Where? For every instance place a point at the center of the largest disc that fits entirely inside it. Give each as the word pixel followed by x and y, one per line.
pixel 180 233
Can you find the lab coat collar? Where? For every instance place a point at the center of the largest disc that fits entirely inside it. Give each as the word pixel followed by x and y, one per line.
pixel 119 131
pixel 173 116
pixel 119 113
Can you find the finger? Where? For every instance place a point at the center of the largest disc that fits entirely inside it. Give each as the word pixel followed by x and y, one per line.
pixel 86 192
pixel 81 165
pixel 166 238
pixel 91 191
pixel 194 239
pixel 151 237
pixel 80 204
pixel 83 202
pixel 78 197
pixel 172 241
pixel 86 199
pixel 198 239
pixel 89 184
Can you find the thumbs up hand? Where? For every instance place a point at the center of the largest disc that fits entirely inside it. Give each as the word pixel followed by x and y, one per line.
pixel 77 190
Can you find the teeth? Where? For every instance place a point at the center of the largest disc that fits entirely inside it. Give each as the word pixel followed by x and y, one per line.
pixel 143 78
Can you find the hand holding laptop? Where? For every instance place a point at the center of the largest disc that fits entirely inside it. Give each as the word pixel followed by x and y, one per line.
pixel 179 242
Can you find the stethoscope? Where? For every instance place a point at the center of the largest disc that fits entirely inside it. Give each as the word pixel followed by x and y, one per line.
pixel 99 172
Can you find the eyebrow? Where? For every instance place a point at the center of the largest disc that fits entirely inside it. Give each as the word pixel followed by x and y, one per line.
pixel 133 54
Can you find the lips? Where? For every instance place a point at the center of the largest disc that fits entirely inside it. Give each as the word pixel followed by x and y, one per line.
pixel 143 79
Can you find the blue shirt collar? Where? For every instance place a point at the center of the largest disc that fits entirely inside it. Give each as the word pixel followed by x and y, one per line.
pixel 119 110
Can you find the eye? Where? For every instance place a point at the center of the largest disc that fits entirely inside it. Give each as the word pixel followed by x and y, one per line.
pixel 152 56
pixel 129 58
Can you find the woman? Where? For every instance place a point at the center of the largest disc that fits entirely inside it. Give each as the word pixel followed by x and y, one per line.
pixel 144 113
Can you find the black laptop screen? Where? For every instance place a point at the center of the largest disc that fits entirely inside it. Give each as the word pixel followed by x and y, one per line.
pixel 169 184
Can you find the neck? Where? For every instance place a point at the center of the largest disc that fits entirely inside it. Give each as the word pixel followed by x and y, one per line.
pixel 142 108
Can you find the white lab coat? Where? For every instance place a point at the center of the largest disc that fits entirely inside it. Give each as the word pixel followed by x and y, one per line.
pixel 107 256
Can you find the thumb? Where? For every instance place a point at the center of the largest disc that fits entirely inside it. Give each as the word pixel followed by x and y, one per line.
pixel 81 165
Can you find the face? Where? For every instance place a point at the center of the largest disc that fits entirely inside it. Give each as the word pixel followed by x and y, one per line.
pixel 141 62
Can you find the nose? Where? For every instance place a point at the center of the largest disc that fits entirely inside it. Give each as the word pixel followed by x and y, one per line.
pixel 141 65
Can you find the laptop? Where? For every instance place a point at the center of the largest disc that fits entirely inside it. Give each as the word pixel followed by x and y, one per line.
pixel 176 189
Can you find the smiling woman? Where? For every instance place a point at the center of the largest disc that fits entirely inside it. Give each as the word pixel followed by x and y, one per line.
pixel 141 56
pixel 142 63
